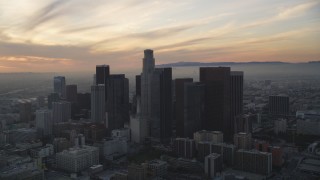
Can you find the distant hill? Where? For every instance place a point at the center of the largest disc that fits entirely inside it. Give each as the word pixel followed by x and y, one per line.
pixel 185 64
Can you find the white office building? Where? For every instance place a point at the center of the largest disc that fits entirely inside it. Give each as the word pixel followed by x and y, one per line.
pixel 77 159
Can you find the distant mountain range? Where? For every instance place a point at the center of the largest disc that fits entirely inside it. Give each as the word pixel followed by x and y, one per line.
pixel 184 64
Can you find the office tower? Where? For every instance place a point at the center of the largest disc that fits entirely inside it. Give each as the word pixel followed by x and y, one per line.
pixel 25 110
pixel 253 161
pixel 194 95
pixel 138 85
pixel 243 140
pixel 180 105
pixel 102 75
pixel 118 101
pixel 146 75
pixel 279 105
pixel 236 90
pixel 53 97
pixel 98 110
pixel 59 86
pixel 44 122
pixel 209 136
pixel 161 105
pixel 243 123
pixel 71 91
pixel 61 111
pixel 218 99
pixel 184 147
pixel 212 165
pixel 75 160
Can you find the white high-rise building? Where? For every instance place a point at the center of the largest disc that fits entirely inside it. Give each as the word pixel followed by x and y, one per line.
pixel 44 122
pixel 146 77
pixel 61 111
pixel 59 86
pixel 98 110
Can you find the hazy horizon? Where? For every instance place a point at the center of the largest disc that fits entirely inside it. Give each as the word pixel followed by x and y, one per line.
pixel 66 35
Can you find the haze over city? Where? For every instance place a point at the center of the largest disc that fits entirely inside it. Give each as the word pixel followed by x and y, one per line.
pixel 75 35
pixel 159 90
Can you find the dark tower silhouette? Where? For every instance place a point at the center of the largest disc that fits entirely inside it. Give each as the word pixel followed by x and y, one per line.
pixel 102 75
pixel 118 101
pixel 236 85
pixel 179 104
pixel 217 100
pixel 161 104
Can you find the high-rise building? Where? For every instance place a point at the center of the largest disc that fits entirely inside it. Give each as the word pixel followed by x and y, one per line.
pixel 243 140
pixel 212 165
pixel 146 78
pixel 138 85
pixel 59 86
pixel 218 99
pixel 25 110
pixel 44 122
pixel 179 105
pixel 102 75
pixel 161 104
pixel 224 95
pixel 236 90
pixel 98 110
pixel 279 105
pixel 118 101
pixel 72 92
pixel 61 111
pixel 53 97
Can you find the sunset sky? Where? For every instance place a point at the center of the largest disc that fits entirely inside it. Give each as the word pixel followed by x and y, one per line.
pixel 75 35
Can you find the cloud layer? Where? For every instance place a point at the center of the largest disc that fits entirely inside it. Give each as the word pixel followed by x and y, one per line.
pixel 75 35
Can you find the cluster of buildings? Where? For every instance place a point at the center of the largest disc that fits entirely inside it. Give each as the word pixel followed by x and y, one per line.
pixel 203 127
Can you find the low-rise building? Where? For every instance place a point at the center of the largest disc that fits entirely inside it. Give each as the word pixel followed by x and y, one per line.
pixel 254 161
pixel 158 167
pixel 212 136
pixel 243 140
pixel 77 159
pixel 184 147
